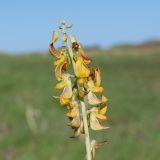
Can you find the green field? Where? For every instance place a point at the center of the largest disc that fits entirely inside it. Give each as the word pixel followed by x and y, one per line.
pixel 132 84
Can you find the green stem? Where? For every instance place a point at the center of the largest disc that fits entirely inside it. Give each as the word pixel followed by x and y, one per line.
pixel 86 130
pixel 70 53
pixel 84 113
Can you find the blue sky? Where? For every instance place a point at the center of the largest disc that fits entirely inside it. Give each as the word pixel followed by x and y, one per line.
pixel 27 25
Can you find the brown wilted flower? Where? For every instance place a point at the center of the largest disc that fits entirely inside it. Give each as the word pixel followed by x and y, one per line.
pixel 75 45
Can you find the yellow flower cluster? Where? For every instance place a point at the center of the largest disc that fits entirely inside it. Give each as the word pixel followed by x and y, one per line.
pixel 84 85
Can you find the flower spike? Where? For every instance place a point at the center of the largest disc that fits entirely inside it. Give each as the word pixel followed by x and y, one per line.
pixel 82 93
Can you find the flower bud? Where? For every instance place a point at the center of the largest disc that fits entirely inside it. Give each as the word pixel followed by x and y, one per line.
pixel 54 37
pixel 64 38
pixel 73 39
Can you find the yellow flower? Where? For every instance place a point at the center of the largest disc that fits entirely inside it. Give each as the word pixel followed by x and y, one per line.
pixel 94 123
pixel 67 85
pixel 81 69
pixel 95 76
pixel 94 88
pixel 64 101
pixel 82 73
pixel 100 111
pixel 73 109
pixel 73 112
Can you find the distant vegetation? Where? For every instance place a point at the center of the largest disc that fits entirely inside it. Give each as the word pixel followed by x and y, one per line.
pixel 29 115
pixel 149 47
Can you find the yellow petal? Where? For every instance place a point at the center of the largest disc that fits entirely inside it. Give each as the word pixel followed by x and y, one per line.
pixel 101 116
pixel 97 89
pixel 104 99
pixel 73 112
pixel 60 85
pixel 82 80
pixel 64 101
pixel 61 59
pixel 81 70
pixel 103 110
pixel 97 77
pixel 93 88
pixel 55 37
pixel 100 112
pixel 94 123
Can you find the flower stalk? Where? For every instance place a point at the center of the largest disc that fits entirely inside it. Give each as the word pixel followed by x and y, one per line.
pixel 82 94
pixel 86 131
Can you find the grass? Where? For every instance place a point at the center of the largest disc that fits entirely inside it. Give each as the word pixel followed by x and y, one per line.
pixel 132 85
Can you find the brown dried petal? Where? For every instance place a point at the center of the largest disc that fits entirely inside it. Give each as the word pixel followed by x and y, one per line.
pixel 83 54
pixel 53 51
pixel 60 69
pixel 95 145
